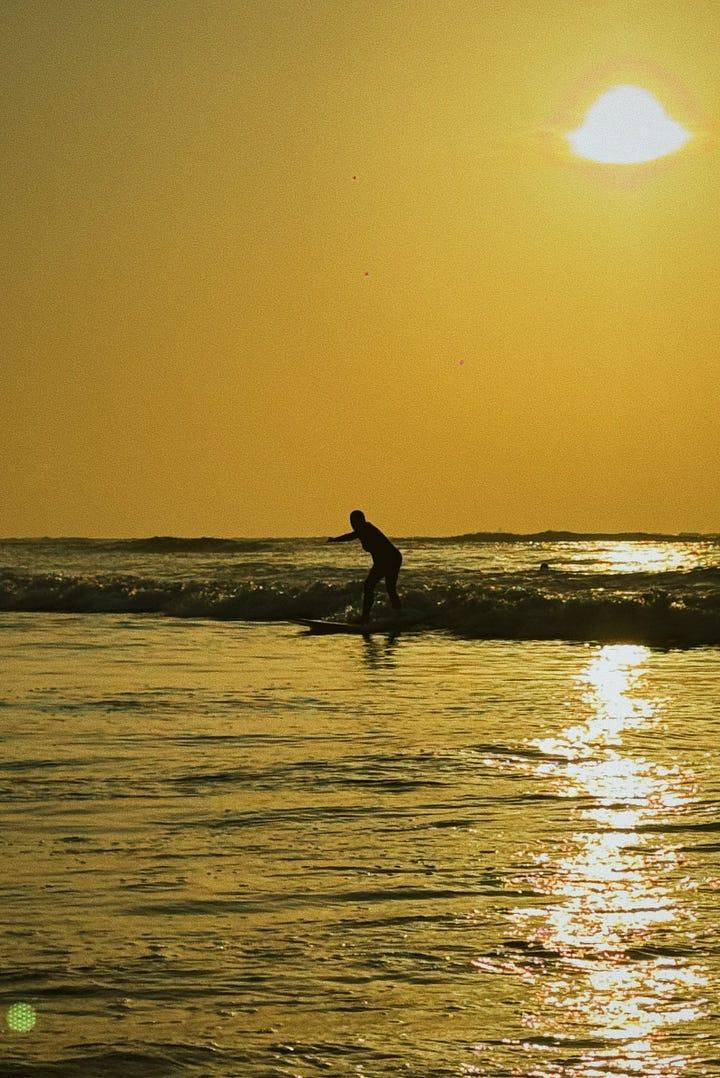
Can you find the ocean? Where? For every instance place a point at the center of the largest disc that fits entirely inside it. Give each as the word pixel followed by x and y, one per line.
pixel 486 845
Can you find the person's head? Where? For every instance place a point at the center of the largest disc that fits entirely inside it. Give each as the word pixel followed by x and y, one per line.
pixel 357 517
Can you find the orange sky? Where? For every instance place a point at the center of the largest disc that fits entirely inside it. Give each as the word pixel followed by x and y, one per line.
pixel 247 246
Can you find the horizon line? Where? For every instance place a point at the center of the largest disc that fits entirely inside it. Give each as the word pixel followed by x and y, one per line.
pixel 547 535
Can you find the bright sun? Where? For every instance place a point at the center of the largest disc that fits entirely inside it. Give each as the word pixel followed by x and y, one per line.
pixel 626 126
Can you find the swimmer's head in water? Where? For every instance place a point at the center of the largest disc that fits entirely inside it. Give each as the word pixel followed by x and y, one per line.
pixel 357 517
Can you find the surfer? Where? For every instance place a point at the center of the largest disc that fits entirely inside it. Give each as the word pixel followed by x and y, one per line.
pixel 386 557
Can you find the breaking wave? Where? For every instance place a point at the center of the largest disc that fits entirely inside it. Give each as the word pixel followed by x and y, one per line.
pixel 685 614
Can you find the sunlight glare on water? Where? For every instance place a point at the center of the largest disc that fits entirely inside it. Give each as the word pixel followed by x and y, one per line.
pixel 646 557
pixel 238 850
pixel 600 968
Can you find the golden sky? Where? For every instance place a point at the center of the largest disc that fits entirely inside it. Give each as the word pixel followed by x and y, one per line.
pixel 268 261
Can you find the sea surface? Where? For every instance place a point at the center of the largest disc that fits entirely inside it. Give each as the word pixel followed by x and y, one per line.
pixel 486 845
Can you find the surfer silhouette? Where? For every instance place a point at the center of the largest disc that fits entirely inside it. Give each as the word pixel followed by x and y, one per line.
pixel 386 557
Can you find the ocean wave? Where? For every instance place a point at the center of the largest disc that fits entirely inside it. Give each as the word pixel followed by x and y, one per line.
pixel 171 544
pixel 154 544
pixel 583 537
pixel 682 616
pixel 65 593
pixel 150 1060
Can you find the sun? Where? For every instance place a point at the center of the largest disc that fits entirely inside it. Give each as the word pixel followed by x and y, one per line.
pixel 627 125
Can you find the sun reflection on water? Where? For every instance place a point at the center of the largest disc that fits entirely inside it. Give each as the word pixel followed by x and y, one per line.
pixel 605 953
pixel 646 557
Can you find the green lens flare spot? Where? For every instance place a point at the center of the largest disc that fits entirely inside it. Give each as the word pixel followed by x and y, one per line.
pixel 21 1017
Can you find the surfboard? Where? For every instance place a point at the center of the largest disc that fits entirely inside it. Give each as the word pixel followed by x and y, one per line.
pixel 316 625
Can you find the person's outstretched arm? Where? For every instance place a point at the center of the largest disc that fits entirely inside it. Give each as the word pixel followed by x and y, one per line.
pixel 343 538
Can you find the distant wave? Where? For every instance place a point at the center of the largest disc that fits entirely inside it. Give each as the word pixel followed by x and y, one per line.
pixel 582 537
pixel 169 544
pixel 155 544
pixel 684 614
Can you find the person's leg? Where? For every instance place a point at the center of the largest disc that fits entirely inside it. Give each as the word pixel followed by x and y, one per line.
pixel 391 584
pixel 374 576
